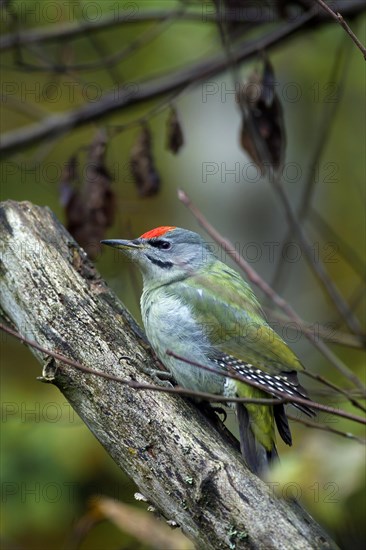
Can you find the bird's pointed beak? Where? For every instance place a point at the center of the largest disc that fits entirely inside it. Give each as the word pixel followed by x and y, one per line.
pixel 122 244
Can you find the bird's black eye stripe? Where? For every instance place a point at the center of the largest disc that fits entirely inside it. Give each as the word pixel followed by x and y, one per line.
pixel 159 243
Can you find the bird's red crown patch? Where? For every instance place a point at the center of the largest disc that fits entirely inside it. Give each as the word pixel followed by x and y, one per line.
pixel 157 232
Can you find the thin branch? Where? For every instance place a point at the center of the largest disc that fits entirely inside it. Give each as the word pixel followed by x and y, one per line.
pixel 321 137
pixel 357 295
pixel 312 424
pixel 337 389
pixel 317 266
pixel 100 49
pixel 254 277
pixel 338 73
pixel 349 253
pixel 67 31
pixel 306 245
pixel 31 110
pixel 44 57
pixel 106 61
pixel 190 393
pixel 319 330
pixel 138 92
pixel 140 385
pixel 232 62
pixel 115 129
pixel 352 392
pixel 291 399
pixel 338 17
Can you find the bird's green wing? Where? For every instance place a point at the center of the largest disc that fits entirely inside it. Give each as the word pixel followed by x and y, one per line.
pixel 229 313
pixel 242 341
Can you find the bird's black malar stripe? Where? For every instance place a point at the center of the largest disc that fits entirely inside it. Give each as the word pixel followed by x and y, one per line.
pixel 164 265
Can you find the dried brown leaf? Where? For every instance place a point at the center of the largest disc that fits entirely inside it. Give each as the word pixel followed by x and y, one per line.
pixel 175 139
pixel 90 210
pixel 263 134
pixel 142 165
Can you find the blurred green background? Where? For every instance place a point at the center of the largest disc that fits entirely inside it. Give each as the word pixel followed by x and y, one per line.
pixel 50 463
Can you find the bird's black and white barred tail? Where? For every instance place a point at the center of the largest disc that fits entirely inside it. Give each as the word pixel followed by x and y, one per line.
pixel 256 456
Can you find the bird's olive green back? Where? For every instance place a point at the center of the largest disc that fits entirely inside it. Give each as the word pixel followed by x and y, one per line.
pixel 226 307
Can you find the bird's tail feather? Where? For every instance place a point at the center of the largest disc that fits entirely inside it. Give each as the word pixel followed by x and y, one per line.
pixel 300 391
pixel 257 458
pixel 306 410
pixel 247 439
pixel 282 423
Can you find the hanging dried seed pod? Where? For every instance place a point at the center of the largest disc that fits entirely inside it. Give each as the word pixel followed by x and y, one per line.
pixel 263 134
pixel 142 165
pixel 174 137
pixel 90 209
pixel 97 192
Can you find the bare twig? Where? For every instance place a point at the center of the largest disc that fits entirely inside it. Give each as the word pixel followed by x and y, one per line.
pixel 100 49
pixel 317 266
pixel 338 73
pixel 346 250
pixel 108 61
pixel 312 424
pixel 338 17
pixel 140 385
pixel 337 389
pixel 119 99
pixel 357 295
pixel 321 137
pixel 266 289
pixel 352 392
pixel 48 64
pixel 31 110
pixel 115 129
pixel 325 332
pixel 299 400
pixel 183 391
pixel 67 31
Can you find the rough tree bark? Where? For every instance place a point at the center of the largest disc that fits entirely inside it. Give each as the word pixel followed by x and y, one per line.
pixel 52 293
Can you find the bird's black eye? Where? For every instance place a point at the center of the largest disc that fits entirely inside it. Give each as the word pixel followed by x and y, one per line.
pixel 162 245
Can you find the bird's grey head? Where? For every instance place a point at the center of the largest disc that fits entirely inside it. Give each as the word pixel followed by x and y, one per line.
pixel 166 254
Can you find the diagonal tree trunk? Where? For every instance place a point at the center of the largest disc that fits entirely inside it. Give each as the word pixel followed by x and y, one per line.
pixel 181 463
